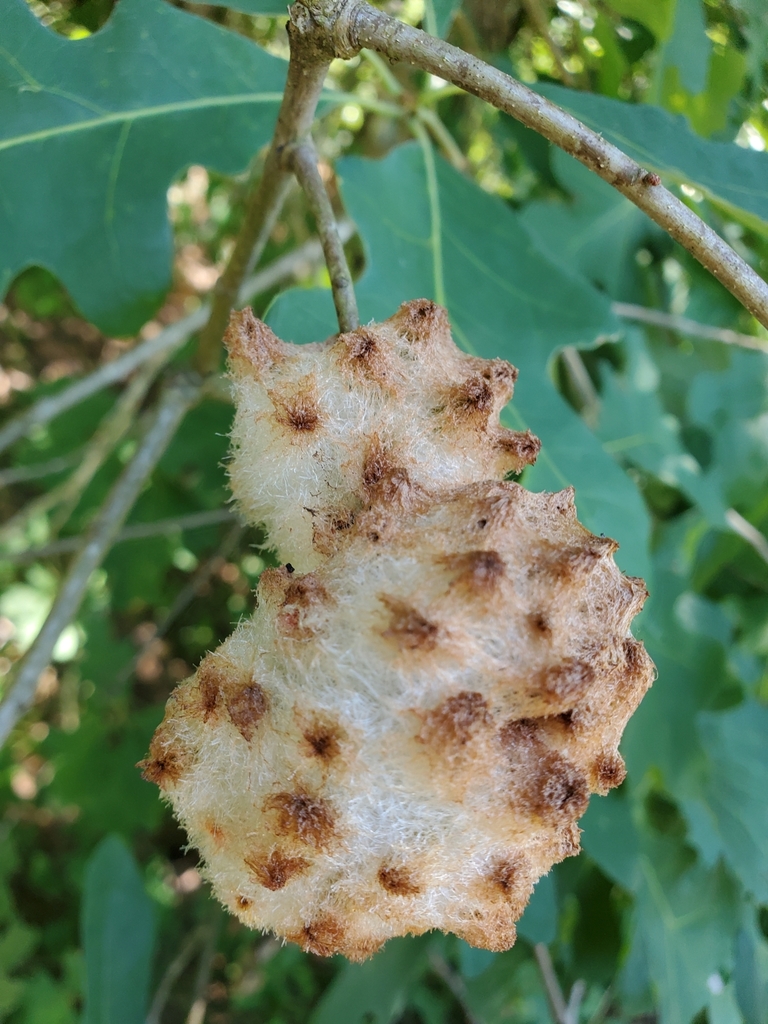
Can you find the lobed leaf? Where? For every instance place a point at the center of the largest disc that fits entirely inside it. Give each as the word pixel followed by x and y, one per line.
pixel 93 131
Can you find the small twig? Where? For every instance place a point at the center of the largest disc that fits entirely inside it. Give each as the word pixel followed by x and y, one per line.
pixel 747 532
pixel 175 402
pixel 173 972
pixel 555 998
pixel 199 1005
pixel 582 383
pixel 166 341
pixel 21 474
pixel 538 19
pixel 443 137
pixel 683 325
pixel 309 63
pixel 302 159
pixel 575 999
pixel 137 531
pixel 184 598
pixel 108 434
pixel 455 983
pixel 356 24
pixel 382 69
pixel 48 408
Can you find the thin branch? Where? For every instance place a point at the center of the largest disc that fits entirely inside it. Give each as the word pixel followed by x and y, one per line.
pixel 555 998
pixel 356 24
pixel 683 325
pixel 37 470
pixel 167 340
pixel 455 983
pixel 199 1005
pixel 173 972
pixel 110 431
pixel 48 408
pixel 309 63
pixel 575 1000
pixel 582 384
pixel 443 138
pixel 173 405
pixel 137 531
pixel 538 18
pixel 302 159
pixel 184 598
pixel 747 532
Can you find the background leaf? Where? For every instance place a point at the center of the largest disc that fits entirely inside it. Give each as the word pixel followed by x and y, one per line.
pixel 118 934
pixel 116 116
pixel 733 177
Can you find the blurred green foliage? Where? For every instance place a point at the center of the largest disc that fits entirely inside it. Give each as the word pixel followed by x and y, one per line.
pixel 125 146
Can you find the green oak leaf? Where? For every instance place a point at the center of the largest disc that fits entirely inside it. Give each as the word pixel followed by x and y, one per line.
pixel 430 232
pixel 273 8
pixel 732 177
pixel 634 426
pixel 733 789
pixel 596 231
pixel 93 131
pixel 117 927
pixel 657 16
pixel 685 915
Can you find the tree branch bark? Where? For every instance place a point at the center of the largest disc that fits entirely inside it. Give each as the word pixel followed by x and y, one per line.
pixel 354 24
pixel 302 159
pixel 311 56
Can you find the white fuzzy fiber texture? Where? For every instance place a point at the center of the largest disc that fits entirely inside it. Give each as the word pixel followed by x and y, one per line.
pixel 405 733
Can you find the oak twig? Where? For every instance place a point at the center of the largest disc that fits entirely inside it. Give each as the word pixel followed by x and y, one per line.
pixel 167 340
pixel 310 59
pixel 301 157
pixel 175 402
pixel 199 1005
pixel 136 531
pixel 683 325
pixel 747 532
pixel 355 24
pixel 173 972
pixel 557 1004
pixel 108 434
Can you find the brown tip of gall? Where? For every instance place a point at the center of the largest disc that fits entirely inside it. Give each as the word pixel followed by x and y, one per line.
pixel 398 880
pixel 325 936
pixel 248 339
pixel 522 447
pixel 277 870
pixel 323 740
pixel 299 412
pixel 452 723
pixel 304 817
pixel 557 788
pixel 566 681
pixel 608 772
pixel 473 397
pixel 408 628
pixel 478 571
pixel 247 706
pixel 420 320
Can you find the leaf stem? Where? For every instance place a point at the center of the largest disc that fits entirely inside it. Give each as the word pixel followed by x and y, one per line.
pixel 301 157
pixel 355 24
pixel 175 402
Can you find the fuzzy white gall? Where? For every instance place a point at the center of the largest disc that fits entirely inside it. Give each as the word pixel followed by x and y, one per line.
pixel 404 735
